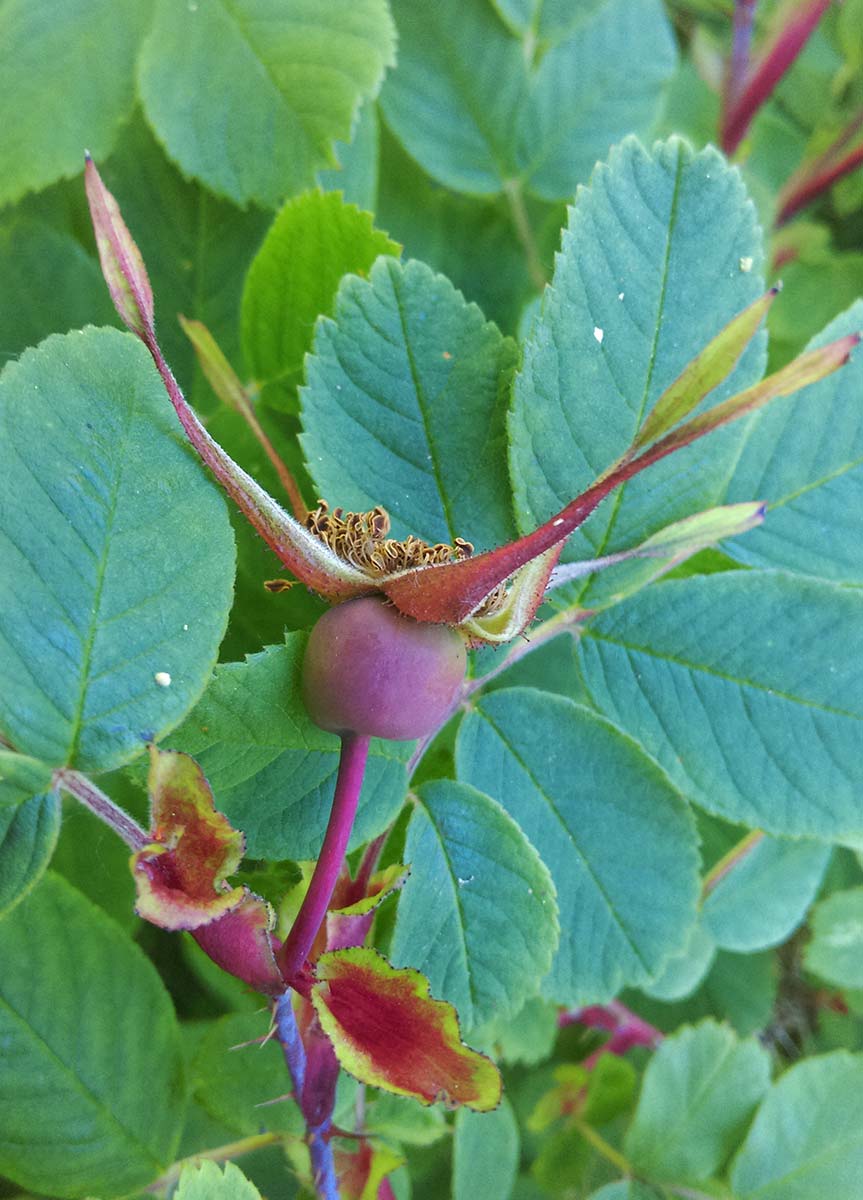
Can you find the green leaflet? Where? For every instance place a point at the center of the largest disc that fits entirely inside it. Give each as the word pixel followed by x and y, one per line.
pixel 229 1082
pixel 765 897
pixel 806 1142
pixel 271 770
pixel 313 242
pixel 67 75
pixel 288 75
pixel 96 484
pixel 404 407
pixel 587 798
pixel 485 1153
pixel 480 114
pixel 837 937
pixel 209 1181
pixel 91 1092
pixel 641 284
pixel 698 1094
pixel 745 687
pixel 28 835
pixel 684 972
pixel 21 777
pixel 356 176
pixel 804 456
pixel 546 20
pixel 478 914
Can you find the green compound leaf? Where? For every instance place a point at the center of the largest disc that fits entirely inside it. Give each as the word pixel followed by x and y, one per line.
pixel 763 899
pixel 106 639
pixel 478 914
pixel 28 835
pixel 313 242
pixel 834 953
pixel 405 407
pixel 271 770
pixel 285 75
pixel 641 285
pixel 699 1092
pixel 805 457
pixel 67 73
pixel 618 840
pixel 806 1142
pixel 479 114
pixel 91 1092
pixel 745 688
pixel 209 1181
pixel 485 1153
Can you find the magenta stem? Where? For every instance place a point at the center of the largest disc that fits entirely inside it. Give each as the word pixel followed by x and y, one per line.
pixel 313 910
pixel 813 181
pixel 103 807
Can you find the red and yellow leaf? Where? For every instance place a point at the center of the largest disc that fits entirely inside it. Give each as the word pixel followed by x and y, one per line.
pixel 389 1032
pixel 180 876
pixel 239 942
pixel 362 1171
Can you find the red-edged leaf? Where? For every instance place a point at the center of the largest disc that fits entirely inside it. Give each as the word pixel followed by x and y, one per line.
pixel 361 1172
pixel 706 371
pixel 792 35
pixel 240 943
pixel 121 260
pixel 350 918
pixel 180 876
pixel 387 1031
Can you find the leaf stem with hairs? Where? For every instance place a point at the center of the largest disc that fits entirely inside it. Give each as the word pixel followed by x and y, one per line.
pixel 102 806
pixel 313 910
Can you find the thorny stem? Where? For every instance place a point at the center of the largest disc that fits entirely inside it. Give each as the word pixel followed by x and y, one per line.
pixel 102 806
pixel 313 910
pixel 224 1153
pixel 524 232
pixel 729 861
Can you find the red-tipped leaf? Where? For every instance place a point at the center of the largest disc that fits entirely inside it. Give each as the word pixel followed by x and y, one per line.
pixel 387 1031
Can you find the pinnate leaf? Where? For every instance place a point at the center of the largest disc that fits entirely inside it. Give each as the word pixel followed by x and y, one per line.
pixel 28 835
pixel 389 1032
pixel 476 111
pixel 746 689
pixel 478 915
pixel 77 998
pixel 699 1092
pixel 588 799
pixel 91 461
pixel 405 406
pixel 806 1142
pixel 315 240
pixel 286 74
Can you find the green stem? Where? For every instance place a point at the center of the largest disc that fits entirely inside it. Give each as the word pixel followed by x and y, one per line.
pixel 219 1154
pixel 729 861
pixel 602 1146
pixel 524 232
